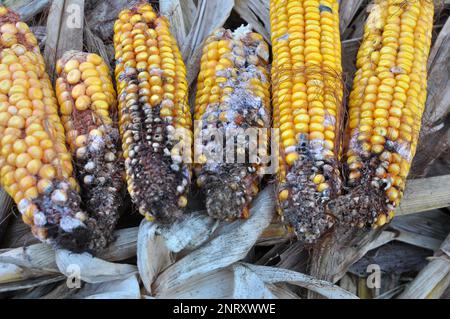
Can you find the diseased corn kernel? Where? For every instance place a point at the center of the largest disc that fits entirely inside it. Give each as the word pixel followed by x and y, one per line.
pixel 381 220
pixel 283 195
pixel 83 103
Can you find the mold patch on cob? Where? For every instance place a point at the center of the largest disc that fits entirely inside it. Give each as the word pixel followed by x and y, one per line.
pixel 155 119
pixel 232 106
pixel 385 112
pixel 307 96
pixel 88 109
pixel 36 168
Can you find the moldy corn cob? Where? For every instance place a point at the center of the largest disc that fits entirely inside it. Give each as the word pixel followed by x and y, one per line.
pixel 386 107
pixel 155 119
pixel 307 94
pixel 232 97
pixel 88 109
pixel 36 168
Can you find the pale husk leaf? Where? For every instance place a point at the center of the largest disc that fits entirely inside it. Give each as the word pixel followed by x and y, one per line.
pixel 152 254
pixel 91 269
pixel 276 275
pixel 11 273
pixel 432 280
pixel 127 288
pixel 38 256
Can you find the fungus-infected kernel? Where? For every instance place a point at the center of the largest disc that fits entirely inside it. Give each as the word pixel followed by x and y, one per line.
pixel 381 220
pixel 291 158
pixel 322 187
pixel 182 201
pixel 318 179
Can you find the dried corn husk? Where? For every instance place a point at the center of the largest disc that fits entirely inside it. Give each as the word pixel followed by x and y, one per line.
pixel 127 288
pixel 91 269
pixel 434 279
pixel 205 271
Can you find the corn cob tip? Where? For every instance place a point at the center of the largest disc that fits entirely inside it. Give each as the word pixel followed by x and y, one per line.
pixel 229 191
pixel 55 217
pixel 232 100
pixel 365 204
pixel 302 197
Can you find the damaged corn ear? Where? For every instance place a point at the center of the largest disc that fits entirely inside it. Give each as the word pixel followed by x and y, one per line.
pixel 155 119
pixel 36 168
pixel 232 100
pixel 307 94
pixel 386 106
pixel 88 109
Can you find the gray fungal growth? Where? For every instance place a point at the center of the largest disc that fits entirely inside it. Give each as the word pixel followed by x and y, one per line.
pixel 55 208
pixel 305 209
pixel 228 176
pixel 99 170
pixel 155 177
pixel 102 185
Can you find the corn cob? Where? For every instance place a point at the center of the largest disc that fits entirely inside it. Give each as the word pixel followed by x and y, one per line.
pixel 36 168
pixel 232 97
pixel 386 107
pixel 88 107
pixel 307 98
pixel 154 116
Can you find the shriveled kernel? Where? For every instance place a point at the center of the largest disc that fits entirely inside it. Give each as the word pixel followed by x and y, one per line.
pixel 182 201
pixel 34 166
pixel 71 65
pixel 31 193
pixel 27 182
pixel 81 140
pixel 22 160
pixel 392 194
pixel 291 158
